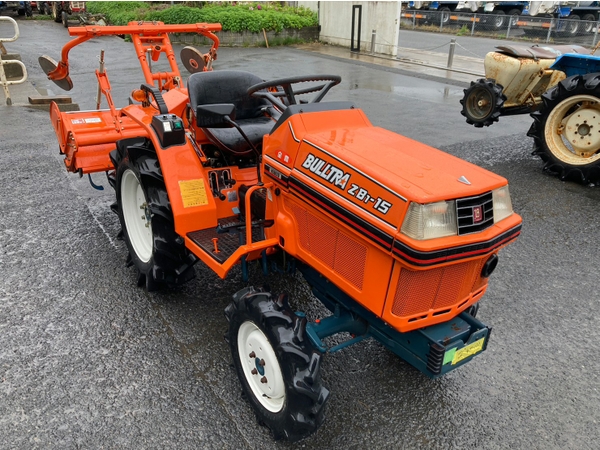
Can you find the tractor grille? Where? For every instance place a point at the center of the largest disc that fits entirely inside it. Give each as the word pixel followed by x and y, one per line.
pixel 436 291
pixel 340 252
pixel 475 213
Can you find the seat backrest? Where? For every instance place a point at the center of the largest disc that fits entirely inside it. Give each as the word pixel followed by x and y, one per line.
pixel 226 86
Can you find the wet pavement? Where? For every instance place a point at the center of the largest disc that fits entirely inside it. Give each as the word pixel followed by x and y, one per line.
pixel 88 360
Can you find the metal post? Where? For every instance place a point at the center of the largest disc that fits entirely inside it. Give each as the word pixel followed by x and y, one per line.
pixel 473 25
pixel 508 30
pixel 441 20
pixel 596 34
pixel 373 37
pixel 550 30
pixel 356 22
pixel 451 53
pixel 100 70
pixel 414 20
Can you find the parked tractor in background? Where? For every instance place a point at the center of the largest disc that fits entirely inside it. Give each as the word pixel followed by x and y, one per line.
pixel 560 87
pixel 61 11
pixel 397 239
pixel 21 8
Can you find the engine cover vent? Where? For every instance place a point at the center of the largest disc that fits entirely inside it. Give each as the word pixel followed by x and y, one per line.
pixel 338 251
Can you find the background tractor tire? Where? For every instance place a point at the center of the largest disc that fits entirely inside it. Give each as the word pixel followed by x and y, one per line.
pixel 144 210
pixel 482 102
pixel 277 365
pixel 56 11
pixel 566 129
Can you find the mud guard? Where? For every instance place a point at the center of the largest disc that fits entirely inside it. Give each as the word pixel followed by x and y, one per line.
pixel 573 64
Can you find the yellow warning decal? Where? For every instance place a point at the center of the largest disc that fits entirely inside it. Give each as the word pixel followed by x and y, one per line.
pixel 193 193
pixel 469 350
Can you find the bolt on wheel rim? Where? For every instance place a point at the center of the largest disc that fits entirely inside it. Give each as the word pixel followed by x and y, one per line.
pixel 137 216
pixel 261 367
pixel 572 130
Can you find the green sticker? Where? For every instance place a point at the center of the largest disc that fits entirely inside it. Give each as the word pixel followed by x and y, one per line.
pixel 449 355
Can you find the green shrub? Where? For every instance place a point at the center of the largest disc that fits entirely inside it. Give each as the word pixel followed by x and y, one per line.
pixel 233 16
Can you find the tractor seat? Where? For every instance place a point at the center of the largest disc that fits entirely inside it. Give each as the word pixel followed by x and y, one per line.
pixel 231 86
pixel 543 52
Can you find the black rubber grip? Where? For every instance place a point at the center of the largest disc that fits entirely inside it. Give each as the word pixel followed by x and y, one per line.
pixel 160 101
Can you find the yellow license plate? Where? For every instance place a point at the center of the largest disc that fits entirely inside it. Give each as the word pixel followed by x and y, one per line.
pixel 469 350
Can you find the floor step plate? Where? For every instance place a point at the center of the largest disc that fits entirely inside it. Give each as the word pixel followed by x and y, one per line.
pixel 226 243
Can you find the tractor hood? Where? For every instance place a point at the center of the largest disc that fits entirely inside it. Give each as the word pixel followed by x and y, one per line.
pixel 409 168
pixel 338 155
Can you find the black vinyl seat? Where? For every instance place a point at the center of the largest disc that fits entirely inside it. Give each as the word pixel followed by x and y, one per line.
pixel 230 86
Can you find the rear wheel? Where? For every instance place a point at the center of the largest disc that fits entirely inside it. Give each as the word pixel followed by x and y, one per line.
pixel 514 17
pixel 56 12
pixel 445 15
pixel 499 19
pixel 278 367
pixel 572 25
pixel 588 23
pixel 482 102
pixel 144 211
pixel 566 129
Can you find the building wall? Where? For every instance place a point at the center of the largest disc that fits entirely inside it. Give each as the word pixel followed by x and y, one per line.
pixel 314 5
pixel 335 19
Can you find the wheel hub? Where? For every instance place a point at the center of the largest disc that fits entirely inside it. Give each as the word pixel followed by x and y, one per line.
pixel 572 130
pixel 139 226
pixel 261 367
pixel 479 104
pixel 582 130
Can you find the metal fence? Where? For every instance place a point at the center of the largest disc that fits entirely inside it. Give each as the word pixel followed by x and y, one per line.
pixel 516 27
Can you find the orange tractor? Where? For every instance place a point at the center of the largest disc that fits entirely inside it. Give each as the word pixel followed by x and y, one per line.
pixel 397 239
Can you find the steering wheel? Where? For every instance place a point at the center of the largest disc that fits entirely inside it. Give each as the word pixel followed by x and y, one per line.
pixel 270 89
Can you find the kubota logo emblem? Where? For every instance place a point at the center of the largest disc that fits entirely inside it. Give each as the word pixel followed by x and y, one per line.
pixel 477 214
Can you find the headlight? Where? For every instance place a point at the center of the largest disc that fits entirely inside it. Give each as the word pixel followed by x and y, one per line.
pixel 435 220
pixel 430 221
pixel 502 204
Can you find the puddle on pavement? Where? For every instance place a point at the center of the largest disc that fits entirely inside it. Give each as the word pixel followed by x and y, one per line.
pixel 441 94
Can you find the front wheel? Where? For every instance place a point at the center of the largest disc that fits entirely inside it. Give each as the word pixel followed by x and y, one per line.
pixel 566 129
pixel 144 210
pixel 278 367
pixel 482 102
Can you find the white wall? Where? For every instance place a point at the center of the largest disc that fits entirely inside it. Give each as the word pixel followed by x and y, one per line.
pixel 314 5
pixel 335 19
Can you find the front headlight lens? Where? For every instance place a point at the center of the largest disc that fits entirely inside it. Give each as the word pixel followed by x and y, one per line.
pixel 502 204
pixel 430 221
